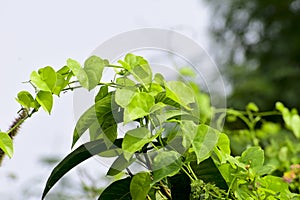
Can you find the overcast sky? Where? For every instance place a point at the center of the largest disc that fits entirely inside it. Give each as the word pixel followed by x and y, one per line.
pixel 37 33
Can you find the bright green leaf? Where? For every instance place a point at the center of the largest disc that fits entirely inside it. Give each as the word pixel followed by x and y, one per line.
pixel 125 81
pixel 138 67
pixel 253 156
pixel 45 99
pixel 38 82
pixel 224 143
pixel 78 72
pixel 93 68
pixel 204 142
pixel 90 75
pixel 124 96
pixel 295 125
pixel 26 100
pixel 252 107
pixel 134 140
pixel 180 93
pixel 138 107
pixel 278 186
pixel 6 144
pixel 187 71
pixel 64 71
pixel 159 78
pixel 48 75
pixel 44 79
pixel 140 185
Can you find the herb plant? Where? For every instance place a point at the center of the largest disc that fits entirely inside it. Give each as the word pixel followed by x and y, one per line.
pixel 173 136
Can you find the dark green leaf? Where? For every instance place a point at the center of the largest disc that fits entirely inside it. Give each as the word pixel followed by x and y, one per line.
pixel 76 157
pixel 118 190
pixel 119 165
pixel 166 163
pixel 180 186
pixel 89 117
pixel 102 93
pixel 209 173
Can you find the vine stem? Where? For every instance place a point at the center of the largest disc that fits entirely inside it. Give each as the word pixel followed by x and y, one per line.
pixel 20 122
pixel 188 174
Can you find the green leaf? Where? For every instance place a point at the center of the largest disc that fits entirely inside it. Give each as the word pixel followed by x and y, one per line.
pixel 187 71
pixel 252 107
pixel 74 66
pixel 62 80
pixel 64 71
pixel 90 75
pixel 134 140
pixel 189 131
pixel 253 156
pixel 103 92
pixel 159 78
pixel 205 141
pixel 6 144
pixel 222 148
pixel 125 81
pixel 295 125
pixel 119 165
pixel 44 79
pixel 138 107
pixel 278 186
pixel 140 185
pixel 209 173
pixel 89 117
pixel 114 150
pixel 166 163
pixel 26 100
pixel 180 93
pixel 118 190
pixel 76 157
pixel 45 99
pixel 224 143
pixel 124 96
pixel 138 67
pixel 93 68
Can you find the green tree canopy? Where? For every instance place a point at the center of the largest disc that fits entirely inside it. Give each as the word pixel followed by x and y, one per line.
pixel 259 43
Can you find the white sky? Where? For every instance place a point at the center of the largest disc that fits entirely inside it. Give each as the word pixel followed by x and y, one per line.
pixel 36 33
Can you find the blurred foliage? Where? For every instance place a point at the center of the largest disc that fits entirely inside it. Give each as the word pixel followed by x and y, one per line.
pixel 259 45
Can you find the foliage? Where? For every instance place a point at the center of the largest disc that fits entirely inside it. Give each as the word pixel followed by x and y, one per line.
pixel 176 138
pixel 258 42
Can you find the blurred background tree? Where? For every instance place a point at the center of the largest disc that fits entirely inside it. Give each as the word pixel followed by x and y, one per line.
pixel 258 43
